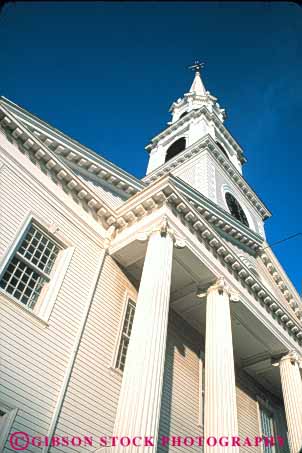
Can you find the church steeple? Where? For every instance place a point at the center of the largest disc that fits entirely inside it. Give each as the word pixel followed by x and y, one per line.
pixel 197 148
pixel 194 116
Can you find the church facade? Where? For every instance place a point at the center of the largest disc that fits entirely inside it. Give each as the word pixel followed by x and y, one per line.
pixel 142 315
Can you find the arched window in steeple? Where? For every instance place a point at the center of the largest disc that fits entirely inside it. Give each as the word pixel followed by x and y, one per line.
pixel 176 148
pixel 183 114
pixel 222 149
pixel 235 209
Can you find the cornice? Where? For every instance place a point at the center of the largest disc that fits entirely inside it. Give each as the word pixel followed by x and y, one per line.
pixel 225 164
pixel 34 181
pixel 277 276
pixel 154 195
pixel 195 114
pixel 218 217
pixel 63 174
pixel 74 152
pixel 166 194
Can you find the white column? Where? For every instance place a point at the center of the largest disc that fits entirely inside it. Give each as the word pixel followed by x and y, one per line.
pixel 140 397
pixel 220 417
pixel 292 395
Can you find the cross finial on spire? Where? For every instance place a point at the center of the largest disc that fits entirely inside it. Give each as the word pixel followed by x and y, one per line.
pixel 197 66
pixel 197 85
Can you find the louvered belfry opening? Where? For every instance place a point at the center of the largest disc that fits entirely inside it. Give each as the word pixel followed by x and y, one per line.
pixel 176 148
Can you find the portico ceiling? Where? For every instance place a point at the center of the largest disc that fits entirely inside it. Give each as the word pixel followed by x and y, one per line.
pixel 254 344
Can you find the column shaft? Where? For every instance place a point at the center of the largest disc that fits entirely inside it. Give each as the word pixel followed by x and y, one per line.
pixel 292 395
pixel 140 397
pixel 220 390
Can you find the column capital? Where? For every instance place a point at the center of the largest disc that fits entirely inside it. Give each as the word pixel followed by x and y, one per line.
pixel 164 229
pixel 110 234
pixel 223 288
pixel 293 357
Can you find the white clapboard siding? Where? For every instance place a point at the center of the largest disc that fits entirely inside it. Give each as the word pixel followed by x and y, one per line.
pixel 33 356
pixel 248 419
pixel 91 400
pixel 179 407
pixel 248 412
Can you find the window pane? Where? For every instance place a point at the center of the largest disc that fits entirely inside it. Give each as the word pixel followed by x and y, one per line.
pixel 126 332
pixel 39 249
pixel 22 279
pixel 267 429
pixel 26 287
pixel 235 209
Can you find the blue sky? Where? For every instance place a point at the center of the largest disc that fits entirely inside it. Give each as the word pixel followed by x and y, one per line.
pixel 106 74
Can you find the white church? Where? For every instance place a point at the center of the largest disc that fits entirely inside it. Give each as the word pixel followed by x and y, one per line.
pixel 142 315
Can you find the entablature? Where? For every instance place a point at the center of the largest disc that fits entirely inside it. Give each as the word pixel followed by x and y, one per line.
pixel 72 151
pixel 165 193
pixel 40 153
pixel 278 275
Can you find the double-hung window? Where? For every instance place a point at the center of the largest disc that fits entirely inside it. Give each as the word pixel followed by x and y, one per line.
pixel 125 335
pixel 268 429
pixel 29 269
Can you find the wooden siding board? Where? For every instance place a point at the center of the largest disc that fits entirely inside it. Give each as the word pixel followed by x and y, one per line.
pixel 94 387
pixel 35 355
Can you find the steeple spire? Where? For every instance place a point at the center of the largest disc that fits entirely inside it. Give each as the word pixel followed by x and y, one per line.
pixel 197 86
pixel 196 98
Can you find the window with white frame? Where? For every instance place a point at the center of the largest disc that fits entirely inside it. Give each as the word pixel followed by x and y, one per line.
pixel 267 428
pixel 29 269
pixel 125 335
pixel 201 389
pixel 7 417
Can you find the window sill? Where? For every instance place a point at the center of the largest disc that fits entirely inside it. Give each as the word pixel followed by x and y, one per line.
pixel 23 307
pixel 116 371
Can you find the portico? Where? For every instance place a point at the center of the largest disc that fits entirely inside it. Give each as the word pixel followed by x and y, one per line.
pixel 175 276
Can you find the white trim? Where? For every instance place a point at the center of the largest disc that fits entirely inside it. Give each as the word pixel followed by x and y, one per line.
pixel 259 421
pixel 10 414
pixel 74 351
pixel 34 181
pixel 225 188
pixel 57 161
pixel 55 284
pixel 128 295
pixel 14 245
pixel 201 390
pixel 266 405
pixel 28 119
pixel 44 306
pixel 19 306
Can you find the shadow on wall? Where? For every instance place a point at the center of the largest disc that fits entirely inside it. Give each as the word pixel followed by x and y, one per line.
pixel 178 415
